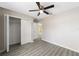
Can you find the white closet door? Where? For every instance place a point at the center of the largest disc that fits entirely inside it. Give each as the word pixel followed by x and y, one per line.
pixel 26 32
pixel 6 32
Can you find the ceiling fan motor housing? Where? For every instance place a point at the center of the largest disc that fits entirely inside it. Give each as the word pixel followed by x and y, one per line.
pixel 36 20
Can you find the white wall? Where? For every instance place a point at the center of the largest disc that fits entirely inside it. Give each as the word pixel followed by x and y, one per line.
pixel 63 29
pixel 35 31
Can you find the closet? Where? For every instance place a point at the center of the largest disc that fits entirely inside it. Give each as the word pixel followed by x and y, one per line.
pixel 17 31
pixel 14 30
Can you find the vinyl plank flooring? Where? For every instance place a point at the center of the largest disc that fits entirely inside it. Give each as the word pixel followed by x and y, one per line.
pixel 65 52
pixel 59 52
pixel 39 48
pixel 55 51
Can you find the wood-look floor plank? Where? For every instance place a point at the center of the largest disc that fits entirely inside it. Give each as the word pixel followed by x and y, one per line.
pixel 59 52
pixel 55 51
pixel 39 48
pixel 34 51
pixel 31 50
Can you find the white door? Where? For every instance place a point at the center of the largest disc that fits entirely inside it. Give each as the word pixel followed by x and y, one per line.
pixel 6 32
pixel 26 33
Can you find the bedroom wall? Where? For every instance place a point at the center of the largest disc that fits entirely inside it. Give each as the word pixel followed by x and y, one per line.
pixel 35 31
pixel 1 33
pixel 63 29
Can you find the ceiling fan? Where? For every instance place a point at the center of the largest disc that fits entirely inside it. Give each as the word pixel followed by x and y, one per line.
pixel 42 9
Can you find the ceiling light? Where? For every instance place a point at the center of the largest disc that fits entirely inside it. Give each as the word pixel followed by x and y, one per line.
pixel 41 11
pixel 39 24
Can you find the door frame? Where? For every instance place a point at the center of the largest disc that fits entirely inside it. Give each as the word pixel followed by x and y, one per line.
pixel 6 30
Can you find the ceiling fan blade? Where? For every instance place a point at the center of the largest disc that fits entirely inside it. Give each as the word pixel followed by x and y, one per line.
pixel 38 4
pixel 33 10
pixel 45 12
pixel 49 7
pixel 38 13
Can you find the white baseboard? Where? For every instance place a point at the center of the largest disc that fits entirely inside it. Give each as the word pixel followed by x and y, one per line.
pixel 27 42
pixel 61 46
pixel 31 42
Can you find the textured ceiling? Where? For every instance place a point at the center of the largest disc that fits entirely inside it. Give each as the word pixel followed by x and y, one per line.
pixel 23 7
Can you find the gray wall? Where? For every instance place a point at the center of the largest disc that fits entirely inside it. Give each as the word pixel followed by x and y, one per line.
pixel 1 33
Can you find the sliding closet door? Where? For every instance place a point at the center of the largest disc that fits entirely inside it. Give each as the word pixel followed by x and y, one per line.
pixel 26 32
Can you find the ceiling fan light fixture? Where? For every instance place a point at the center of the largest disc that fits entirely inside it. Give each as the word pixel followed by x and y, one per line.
pixel 41 11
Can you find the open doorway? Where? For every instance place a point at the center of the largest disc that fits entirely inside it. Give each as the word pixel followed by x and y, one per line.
pixel 14 31
pixel 17 31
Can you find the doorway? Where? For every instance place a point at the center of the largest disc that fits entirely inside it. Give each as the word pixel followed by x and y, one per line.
pixel 14 31
pixel 17 31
